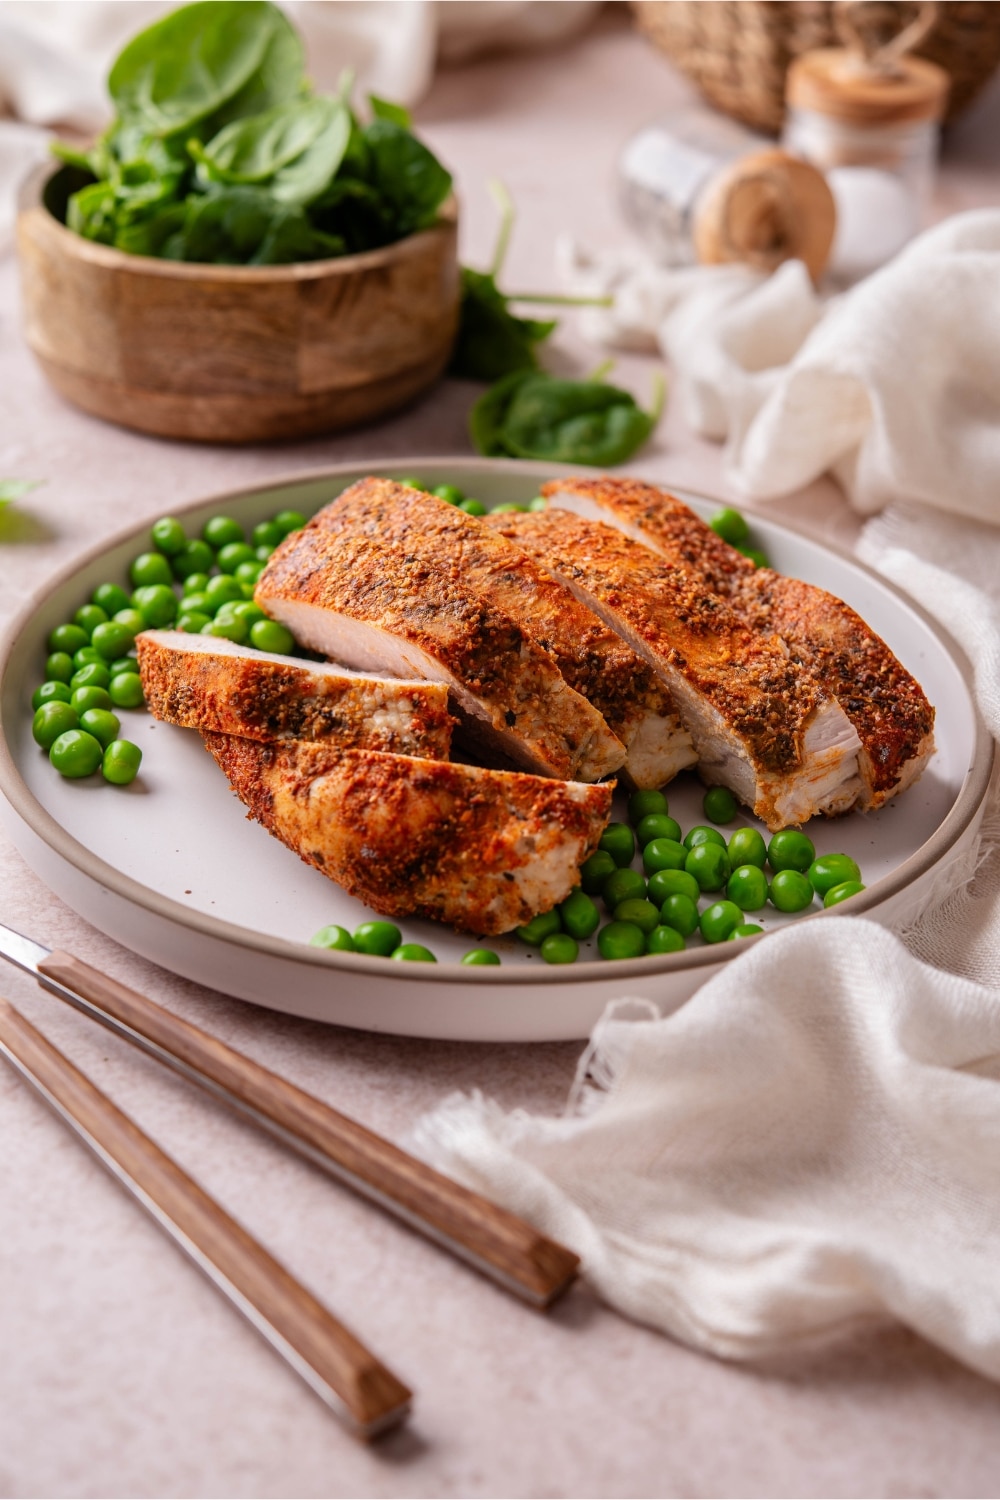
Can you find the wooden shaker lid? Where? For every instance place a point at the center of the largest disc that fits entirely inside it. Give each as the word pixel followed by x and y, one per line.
pixel 839 82
pixel 765 209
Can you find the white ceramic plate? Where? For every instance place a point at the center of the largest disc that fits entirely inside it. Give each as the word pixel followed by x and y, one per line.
pixel 171 867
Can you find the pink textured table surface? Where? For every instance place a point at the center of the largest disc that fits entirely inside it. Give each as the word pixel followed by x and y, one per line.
pixel 122 1372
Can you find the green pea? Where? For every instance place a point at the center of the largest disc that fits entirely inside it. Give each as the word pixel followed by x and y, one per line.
pixel 266 534
pixel 157 603
pixel 93 675
pixel 248 571
pixel 87 656
pixel 112 639
pixel 110 597
pixel 192 622
pixel 709 864
pixel 657 826
pixel 150 568
pixel 508 508
pixel 621 940
pixel 745 929
pixel 222 590
pixel 229 628
pixel 409 483
pixel 579 915
pixel 198 603
pixel 125 690
pixel 730 525
pixel 168 535
pixel 449 493
pixel 719 920
pixel 232 554
pixel 131 619
pixel 68 638
pixel 646 804
pixel 88 617
pixel 539 928
pixel 76 753
pixel 559 948
pixel 680 912
pixel 51 720
pixel 194 557
pixel 262 554
pixel 595 871
pixel 413 953
pixel 748 887
pixel 473 507
pixel 249 589
pixel 58 667
pixel 719 804
pixel 219 531
pixel 843 892
pixel 289 520
pixel 665 940
pixel 618 840
pixel 121 761
pixel 791 891
pixel 244 609
pixel 102 724
pixel 758 558
pixel 663 854
pixel 623 885
pixel 643 913
pixel 268 635
pixel 51 692
pixel 790 850
pixel 476 956
pixel 194 583
pixel 830 870
pixel 90 697
pixel 123 664
pixel 378 938
pixel 702 834
pixel 746 847
pixel 673 883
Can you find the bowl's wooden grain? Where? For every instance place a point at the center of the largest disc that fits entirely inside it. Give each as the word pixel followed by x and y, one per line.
pixel 233 354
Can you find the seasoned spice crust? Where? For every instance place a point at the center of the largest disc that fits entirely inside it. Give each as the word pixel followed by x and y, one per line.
pixel 270 699
pixel 748 679
pixel 482 850
pixel 884 702
pixel 593 659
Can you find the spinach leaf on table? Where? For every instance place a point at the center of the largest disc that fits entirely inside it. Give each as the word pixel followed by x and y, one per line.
pixel 491 341
pixel 532 415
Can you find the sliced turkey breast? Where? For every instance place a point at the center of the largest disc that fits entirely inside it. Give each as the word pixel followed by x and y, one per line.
pixel 204 682
pixel 593 659
pixel 483 850
pixel 759 724
pixel 887 706
pixel 380 608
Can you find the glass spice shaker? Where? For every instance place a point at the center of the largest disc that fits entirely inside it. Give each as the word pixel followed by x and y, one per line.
pixel 698 187
pixel 871 124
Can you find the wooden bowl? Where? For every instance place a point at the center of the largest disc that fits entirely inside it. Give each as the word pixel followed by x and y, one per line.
pixel 233 354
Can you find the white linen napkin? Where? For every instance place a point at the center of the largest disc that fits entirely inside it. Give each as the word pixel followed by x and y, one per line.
pixel 893 386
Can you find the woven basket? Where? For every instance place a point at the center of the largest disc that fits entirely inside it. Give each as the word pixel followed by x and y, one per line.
pixel 738 51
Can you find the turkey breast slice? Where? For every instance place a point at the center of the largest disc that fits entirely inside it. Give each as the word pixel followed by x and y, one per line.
pixel 205 682
pixel 759 724
pixel 887 706
pixel 380 608
pixel 594 660
pixel 483 850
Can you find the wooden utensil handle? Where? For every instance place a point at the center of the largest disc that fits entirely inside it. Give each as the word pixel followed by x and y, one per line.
pixel 339 1368
pixel 494 1240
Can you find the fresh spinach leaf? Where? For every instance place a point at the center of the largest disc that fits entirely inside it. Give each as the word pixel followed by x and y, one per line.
pixel 93 212
pixel 491 341
pixel 224 227
pixel 309 175
pixel 562 421
pixel 191 63
pixel 254 149
pixel 278 78
pixel 408 176
pixel 149 235
pixel 384 109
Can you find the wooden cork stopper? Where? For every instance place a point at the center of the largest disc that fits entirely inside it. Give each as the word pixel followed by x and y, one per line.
pixel 841 83
pixel 765 209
